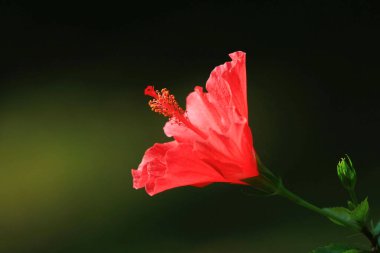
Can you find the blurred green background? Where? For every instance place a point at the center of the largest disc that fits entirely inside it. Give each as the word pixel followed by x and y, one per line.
pixel 74 121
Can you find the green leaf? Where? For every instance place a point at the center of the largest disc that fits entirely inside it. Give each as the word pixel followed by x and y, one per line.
pixel 341 212
pixel 336 248
pixel 360 213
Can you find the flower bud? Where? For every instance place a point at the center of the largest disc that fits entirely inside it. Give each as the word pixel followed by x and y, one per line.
pixel 346 173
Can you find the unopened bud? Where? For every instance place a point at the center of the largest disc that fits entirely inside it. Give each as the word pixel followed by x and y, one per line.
pixel 346 173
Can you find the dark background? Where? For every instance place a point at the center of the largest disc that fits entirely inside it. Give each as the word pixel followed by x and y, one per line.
pixel 74 121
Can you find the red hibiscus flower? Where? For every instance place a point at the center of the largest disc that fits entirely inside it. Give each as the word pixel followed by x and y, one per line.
pixel 212 139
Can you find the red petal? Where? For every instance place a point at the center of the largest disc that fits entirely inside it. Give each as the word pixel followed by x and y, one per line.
pixel 227 84
pixel 231 153
pixel 180 132
pixel 184 168
pixel 171 165
pixel 226 90
pixel 203 114
pixel 153 160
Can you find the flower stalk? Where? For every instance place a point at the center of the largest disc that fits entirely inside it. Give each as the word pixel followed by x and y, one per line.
pixel 284 192
pixel 273 185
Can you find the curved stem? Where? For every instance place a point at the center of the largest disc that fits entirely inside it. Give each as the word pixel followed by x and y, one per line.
pixel 300 201
pixel 282 191
pixel 273 185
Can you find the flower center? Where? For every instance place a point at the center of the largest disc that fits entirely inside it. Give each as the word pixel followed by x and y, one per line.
pixel 165 104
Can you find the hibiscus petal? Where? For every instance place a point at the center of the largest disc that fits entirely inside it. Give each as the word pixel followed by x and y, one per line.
pixel 203 114
pixel 232 154
pixel 153 160
pixel 179 131
pixel 227 84
pixel 183 167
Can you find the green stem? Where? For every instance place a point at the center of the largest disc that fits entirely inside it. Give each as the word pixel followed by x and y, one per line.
pixel 353 197
pixel 273 185
pixel 365 231
pixel 282 191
